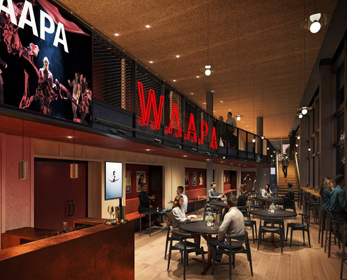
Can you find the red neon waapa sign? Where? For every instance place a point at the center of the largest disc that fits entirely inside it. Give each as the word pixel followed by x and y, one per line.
pixel 175 123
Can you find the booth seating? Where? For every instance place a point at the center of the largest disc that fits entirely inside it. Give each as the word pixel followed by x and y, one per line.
pixel 193 196
pixel 131 208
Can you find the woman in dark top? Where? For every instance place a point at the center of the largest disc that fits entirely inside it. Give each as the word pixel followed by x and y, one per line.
pixel 145 205
pixel 325 191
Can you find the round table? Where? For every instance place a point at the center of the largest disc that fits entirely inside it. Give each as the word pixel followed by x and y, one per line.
pixel 276 214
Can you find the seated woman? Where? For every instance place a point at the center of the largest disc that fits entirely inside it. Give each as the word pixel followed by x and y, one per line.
pixel 145 203
pixel 325 191
pixel 266 191
pixel 179 217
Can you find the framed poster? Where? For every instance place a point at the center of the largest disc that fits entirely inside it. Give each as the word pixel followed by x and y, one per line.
pixel 140 178
pixel 194 178
pixel 113 180
pixel 201 179
pixel 186 179
pixel 128 181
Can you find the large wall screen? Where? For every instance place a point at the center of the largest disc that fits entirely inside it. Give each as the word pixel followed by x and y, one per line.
pixel 46 61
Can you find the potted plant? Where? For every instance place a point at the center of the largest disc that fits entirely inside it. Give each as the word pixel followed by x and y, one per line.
pixel 209 220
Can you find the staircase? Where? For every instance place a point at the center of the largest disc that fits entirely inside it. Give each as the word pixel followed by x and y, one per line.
pixel 283 187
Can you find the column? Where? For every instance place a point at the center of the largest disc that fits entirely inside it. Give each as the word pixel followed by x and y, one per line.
pixel 209 162
pixel 209 176
pixel 326 122
pixel 260 170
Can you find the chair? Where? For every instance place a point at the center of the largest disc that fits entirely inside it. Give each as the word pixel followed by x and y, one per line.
pixel 278 230
pixel 289 204
pixel 332 227
pixel 304 226
pixel 185 247
pixel 169 237
pixel 249 223
pixel 210 210
pixel 343 257
pixel 232 251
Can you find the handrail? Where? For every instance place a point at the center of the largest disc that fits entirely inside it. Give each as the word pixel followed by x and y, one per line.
pixel 296 168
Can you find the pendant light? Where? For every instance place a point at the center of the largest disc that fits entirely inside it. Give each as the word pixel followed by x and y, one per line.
pixel 74 166
pixel 23 165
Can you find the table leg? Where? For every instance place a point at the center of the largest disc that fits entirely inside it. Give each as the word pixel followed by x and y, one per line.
pixel 140 224
pixel 150 223
pixel 195 206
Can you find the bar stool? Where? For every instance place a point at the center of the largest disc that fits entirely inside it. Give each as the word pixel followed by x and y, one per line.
pixel 332 227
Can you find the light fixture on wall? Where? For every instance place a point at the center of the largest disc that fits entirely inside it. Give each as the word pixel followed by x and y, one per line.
pixel 23 165
pixel 74 165
pixel 304 111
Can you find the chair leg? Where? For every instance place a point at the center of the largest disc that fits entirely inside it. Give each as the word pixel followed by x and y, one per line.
pixel 230 267
pixel 213 260
pixel 259 235
pixel 329 245
pixel 308 236
pixel 250 260
pixel 253 233
pixel 203 259
pixel 291 237
pixel 234 261
pixel 287 233
pixel 168 261
pixel 185 262
pixel 281 239
pixel 167 242
pixel 303 236
pixel 256 230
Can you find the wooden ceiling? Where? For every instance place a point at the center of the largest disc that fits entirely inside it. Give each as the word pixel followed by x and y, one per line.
pixel 262 58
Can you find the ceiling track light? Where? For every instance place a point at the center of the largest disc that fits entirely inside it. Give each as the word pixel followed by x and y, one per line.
pixel 315 22
pixel 179 146
pixel 157 140
pixel 194 149
pixel 208 153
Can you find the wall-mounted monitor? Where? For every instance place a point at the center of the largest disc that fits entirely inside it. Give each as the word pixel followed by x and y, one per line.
pixel 113 180
pixel 45 61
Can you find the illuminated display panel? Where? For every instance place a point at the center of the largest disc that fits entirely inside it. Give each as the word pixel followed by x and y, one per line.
pixel 41 50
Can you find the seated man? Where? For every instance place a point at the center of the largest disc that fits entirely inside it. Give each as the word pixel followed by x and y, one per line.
pixel 233 224
pixel 213 195
pixel 242 199
pixel 290 194
pixel 338 201
pixel 179 192
pixel 289 197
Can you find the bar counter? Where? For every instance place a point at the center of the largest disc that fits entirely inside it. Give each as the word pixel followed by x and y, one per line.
pixel 97 252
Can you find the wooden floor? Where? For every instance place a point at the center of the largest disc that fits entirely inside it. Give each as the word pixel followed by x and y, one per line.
pixel 298 262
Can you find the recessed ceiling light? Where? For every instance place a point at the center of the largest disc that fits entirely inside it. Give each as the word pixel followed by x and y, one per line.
pixel 214 111
pixel 184 155
pixel 70 137
pixel 231 163
pixel 174 81
pixel 147 150
pixel 197 77
pixel 151 61
pixel 116 34
pixel 148 26
pixel 192 93
pixel 221 101
pixel 204 103
pixel 178 56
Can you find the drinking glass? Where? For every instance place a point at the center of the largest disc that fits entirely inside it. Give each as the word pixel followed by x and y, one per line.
pixel 110 210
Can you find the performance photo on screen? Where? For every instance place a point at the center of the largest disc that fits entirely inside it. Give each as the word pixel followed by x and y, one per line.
pixel 113 180
pixel 45 61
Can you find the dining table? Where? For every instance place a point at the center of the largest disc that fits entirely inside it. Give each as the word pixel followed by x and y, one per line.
pixel 275 214
pixel 200 227
pixel 149 213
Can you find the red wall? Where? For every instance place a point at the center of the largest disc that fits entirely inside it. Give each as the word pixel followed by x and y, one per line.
pixel 134 168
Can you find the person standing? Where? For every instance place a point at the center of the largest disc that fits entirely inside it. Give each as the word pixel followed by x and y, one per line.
pixel 247 181
pixel 285 163
pixel 232 124
pixel 145 205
